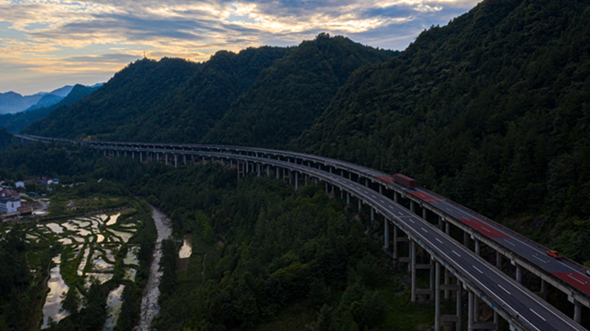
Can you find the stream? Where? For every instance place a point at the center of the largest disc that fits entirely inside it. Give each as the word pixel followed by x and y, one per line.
pixel 149 302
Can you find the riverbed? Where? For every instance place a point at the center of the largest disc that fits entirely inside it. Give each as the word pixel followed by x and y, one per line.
pixel 149 302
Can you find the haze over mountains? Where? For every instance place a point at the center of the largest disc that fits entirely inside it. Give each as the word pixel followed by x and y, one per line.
pixel 491 110
pixel 12 102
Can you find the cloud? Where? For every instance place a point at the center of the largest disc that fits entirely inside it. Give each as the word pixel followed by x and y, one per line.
pixel 97 35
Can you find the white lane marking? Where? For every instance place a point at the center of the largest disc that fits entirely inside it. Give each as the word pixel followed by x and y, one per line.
pixel 577 280
pixel 540 259
pixel 412 221
pixel 541 317
pixel 509 242
pixel 505 290
pixel 474 267
pixel 456 253
pixel 438 240
pixel 424 230
pixel 486 229
pixel 502 276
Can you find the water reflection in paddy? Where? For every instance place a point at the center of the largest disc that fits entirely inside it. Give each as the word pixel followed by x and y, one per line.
pixel 187 248
pixel 113 219
pixel 57 291
pixel 55 227
pixel 114 302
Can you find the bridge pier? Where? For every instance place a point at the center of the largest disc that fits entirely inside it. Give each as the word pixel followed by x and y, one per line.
pixel 386 235
pixel 175 161
pixel 412 207
pixel 413 269
pixel 268 171
pixel 296 181
pixel 577 312
pixel 518 274
pixel 141 157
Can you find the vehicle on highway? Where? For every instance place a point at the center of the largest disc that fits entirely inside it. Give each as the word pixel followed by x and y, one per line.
pixel 405 181
pixel 554 255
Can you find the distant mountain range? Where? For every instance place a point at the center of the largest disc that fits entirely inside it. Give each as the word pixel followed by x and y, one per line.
pixel 12 102
pixel 18 121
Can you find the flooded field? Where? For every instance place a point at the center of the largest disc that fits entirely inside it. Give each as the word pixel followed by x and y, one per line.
pixel 90 253
pixel 57 291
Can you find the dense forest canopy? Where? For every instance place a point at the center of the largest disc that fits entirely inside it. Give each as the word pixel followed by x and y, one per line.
pixel 174 100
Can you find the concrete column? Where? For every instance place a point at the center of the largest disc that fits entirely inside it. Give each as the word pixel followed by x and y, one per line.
pixel 158 157
pixel 543 289
pixel 413 269
pixel 577 312
pixel 350 175
pixel 372 215
pixel 395 196
pixel 498 260
pixel 140 157
pixel 290 177
pixel 175 161
pixel 360 205
pixel 465 238
pixel 440 223
pixel 366 181
pixel 477 247
pixel 267 170
pixel 326 187
pixel 432 280
pixel 386 234
pixel 347 199
pixel 412 206
pixel 341 194
pixel 306 180
pixel 166 158
pixel 258 168
pixel 496 320
pixel 518 274
pixel 380 189
pixel 132 154
pixel 184 159
pixel 277 172
pixel 470 311
pixel 447 292
pixel 395 253
pixel 231 162
pixel 459 296
pixel 424 211
pixel 296 181
pixel 437 297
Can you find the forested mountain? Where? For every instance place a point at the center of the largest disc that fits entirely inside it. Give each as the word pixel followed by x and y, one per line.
pixel 16 122
pixel 491 110
pixel 123 100
pixel 290 95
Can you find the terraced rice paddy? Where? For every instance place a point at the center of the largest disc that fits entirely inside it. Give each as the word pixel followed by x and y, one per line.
pixel 90 247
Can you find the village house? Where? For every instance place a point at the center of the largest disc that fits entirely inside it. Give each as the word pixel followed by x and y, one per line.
pixel 9 204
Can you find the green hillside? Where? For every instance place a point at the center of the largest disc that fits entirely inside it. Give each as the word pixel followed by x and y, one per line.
pixel 178 101
pixel 121 101
pixel 290 95
pixel 18 121
pixel 491 110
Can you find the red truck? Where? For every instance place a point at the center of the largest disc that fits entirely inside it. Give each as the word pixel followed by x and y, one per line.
pixel 405 181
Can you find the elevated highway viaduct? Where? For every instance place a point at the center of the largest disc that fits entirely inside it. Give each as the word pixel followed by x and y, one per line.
pixel 383 195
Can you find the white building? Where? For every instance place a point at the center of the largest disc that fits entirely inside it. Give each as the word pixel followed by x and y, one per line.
pixel 9 204
pixel 20 184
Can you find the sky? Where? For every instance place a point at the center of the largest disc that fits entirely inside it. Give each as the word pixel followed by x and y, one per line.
pixel 46 44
